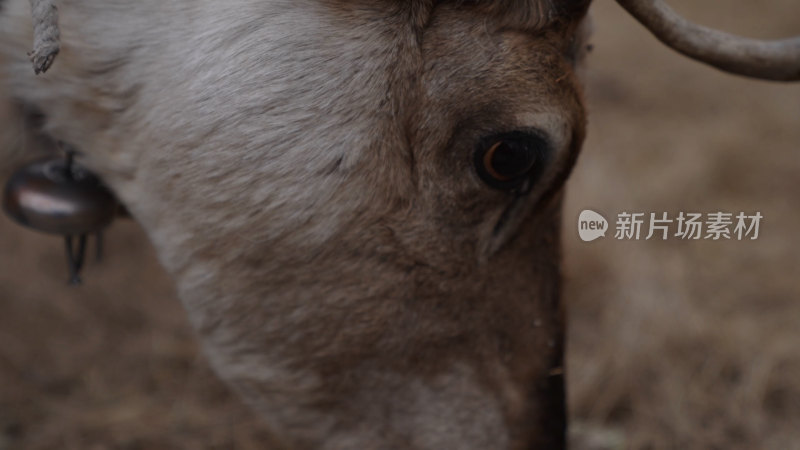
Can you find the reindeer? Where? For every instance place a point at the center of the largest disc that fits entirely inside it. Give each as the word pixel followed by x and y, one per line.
pixel 359 201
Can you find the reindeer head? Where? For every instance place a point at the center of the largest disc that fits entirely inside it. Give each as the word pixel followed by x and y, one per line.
pixel 359 201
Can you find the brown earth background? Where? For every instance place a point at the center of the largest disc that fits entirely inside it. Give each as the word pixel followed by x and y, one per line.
pixel 676 344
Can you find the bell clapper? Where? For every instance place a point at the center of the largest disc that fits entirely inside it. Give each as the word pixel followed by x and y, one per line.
pixel 75 257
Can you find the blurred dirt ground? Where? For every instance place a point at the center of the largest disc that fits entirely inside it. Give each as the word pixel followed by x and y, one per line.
pixel 686 344
pixel 672 344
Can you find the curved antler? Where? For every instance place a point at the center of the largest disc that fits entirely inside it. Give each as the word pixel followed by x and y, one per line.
pixel 770 60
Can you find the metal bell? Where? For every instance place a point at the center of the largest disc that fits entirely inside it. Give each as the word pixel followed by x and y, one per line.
pixel 58 196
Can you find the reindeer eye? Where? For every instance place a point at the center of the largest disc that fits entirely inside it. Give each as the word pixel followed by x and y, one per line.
pixel 505 161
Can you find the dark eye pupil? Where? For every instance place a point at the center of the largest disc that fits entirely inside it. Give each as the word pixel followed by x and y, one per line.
pixel 509 159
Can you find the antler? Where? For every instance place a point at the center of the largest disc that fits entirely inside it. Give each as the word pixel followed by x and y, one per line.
pixel 770 60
